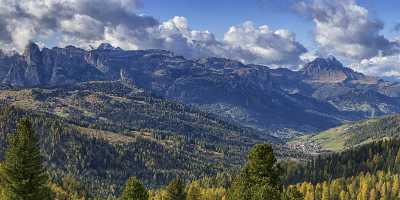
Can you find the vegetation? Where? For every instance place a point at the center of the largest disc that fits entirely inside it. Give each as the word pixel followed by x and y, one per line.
pixel 101 133
pixel 22 174
pixel 381 185
pixel 353 134
pixel 377 156
pixel 259 178
pixel 175 190
pixel 89 151
pixel 134 190
pixel 360 173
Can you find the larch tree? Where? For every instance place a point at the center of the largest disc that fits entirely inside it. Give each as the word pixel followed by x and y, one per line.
pixel 194 191
pixel 175 190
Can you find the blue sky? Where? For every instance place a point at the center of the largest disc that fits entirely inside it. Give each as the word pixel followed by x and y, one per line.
pixel 218 15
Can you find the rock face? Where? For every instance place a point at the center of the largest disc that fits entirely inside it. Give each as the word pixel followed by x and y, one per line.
pixel 329 70
pixel 321 95
pixel 47 67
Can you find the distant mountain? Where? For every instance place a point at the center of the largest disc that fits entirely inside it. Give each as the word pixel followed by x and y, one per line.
pixel 329 70
pixel 278 102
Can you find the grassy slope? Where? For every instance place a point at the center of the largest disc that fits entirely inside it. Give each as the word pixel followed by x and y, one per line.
pixel 352 134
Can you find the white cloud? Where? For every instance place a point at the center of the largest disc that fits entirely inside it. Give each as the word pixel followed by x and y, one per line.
pixel 76 20
pixel 82 25
pixel 379 66
pixel 264 45
pixel 90 22
pixel 347 29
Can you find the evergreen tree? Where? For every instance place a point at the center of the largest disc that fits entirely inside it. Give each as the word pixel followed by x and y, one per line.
pixel 23 175
pixel 259 179
pixel 175 190
pixel 134 190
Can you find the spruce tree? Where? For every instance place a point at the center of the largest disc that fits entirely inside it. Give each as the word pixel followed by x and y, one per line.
pixel 175 190
pixel 24 177
pixel 134 190
pixel 259 179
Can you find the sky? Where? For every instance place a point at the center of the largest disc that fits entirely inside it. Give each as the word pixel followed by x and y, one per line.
pixel 218 15
pixel 363 34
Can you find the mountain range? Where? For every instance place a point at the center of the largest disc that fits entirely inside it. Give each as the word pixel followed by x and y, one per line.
pixel 278 102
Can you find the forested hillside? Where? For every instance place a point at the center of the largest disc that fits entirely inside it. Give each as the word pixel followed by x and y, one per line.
pixel 349 135
pixel 381 185
pixel 100 133
pixel 383 155
pixel 370 171
pixel 100 168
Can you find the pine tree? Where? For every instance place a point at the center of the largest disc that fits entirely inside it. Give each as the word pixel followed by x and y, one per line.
pixel 134 190
pixel 175 190
pixel 23 174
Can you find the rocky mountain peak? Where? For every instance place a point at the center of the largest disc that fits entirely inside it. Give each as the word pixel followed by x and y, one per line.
pixel 329 63
pixel 220 63
pixel 32 54
pixel 328 70
pixel 107 47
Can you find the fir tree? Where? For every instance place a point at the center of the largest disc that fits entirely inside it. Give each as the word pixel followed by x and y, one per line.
pixel 259 179
pixel 134 190
pixel 23 174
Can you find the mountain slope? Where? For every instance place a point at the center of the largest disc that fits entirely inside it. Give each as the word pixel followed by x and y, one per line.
pixel 350 135
pixel 329 70
pixel 277 102
pixel 104 132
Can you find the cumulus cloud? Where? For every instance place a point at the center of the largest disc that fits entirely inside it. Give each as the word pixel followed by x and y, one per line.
pixel 347 29
pixel 25 20
pixel 87 23
pixel 263 44
pixel 379 66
